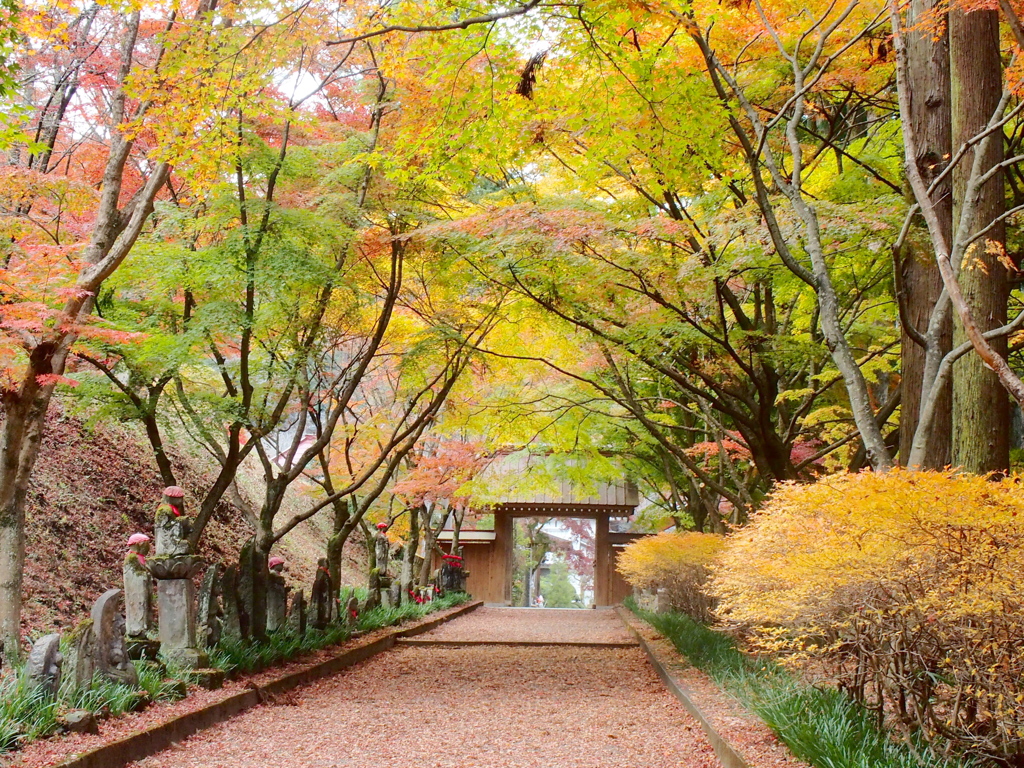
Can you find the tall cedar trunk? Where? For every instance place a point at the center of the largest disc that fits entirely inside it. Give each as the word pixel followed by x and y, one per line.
pixel 930 116
pixel 981 407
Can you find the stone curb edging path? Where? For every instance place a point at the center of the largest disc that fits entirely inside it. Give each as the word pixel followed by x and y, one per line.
pixel 152 740
pixel 726 753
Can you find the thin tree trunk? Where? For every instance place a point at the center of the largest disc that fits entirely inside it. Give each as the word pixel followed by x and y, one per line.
pixel 344 509
pixel 428 548
pixel 409 560
pixel 981 415
pixel 458 516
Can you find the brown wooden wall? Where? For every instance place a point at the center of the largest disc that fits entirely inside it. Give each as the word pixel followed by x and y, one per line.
pixel 483 581
pixel 490 564
pixel 620 588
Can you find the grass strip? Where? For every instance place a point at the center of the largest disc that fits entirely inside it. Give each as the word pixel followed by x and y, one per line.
pixel 28 713
pixel 245 656
pixel 822 727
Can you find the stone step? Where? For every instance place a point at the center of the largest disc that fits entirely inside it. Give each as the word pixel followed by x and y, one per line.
pixel 456 643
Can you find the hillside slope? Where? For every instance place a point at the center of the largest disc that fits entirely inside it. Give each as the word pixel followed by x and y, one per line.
pixel 93 487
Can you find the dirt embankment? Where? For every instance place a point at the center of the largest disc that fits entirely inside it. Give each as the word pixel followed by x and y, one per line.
pixel 95 486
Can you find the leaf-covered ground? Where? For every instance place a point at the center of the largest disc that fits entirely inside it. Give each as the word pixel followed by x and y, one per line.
pixel 486 706
pixel 94 487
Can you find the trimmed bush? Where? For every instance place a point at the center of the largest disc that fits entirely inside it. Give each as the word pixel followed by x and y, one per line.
pixel 677 563
pixel 906 586
pixel 822 727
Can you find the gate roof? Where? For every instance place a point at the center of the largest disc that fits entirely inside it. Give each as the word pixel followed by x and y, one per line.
pixel 563 497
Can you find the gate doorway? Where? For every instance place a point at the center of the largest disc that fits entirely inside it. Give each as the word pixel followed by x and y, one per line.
pixel 490 556
pixel 552 562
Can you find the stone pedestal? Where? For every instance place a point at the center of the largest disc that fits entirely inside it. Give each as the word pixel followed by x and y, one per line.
pixel 209 623
pixel 176 603
pixel 252 590
pixel 405 580
pixel 210 679
pixel 235 625
pixel 372 591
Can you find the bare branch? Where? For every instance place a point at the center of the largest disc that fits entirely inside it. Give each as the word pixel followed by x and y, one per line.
pixel 486 18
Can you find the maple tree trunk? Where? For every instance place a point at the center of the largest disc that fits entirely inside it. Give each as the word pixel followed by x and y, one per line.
pixel 929 86
pixel 981 415
pixel 343 512
pixel 457 518
pixel 428 548
pixel 409 561
pixel 24 422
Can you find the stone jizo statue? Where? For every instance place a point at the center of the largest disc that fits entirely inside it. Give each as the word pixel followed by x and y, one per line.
pixel 277 595
pixel 297 614
pixel 173 566
pixel 321 598
pixel 382 549
pixel 44 664
pixel 171 525
pixel 110 656
pixel 138 588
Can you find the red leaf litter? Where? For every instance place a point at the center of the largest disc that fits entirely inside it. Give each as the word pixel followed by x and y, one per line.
pixel 482 706
pixel 550 625
pixel 744 731
pixel 53 751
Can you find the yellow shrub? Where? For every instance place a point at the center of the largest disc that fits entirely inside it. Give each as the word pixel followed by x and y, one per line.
pixel 675 562
pixel 907 582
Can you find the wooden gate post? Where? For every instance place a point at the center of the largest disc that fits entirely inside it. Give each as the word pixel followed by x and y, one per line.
pixel 602 561
pixel 501 563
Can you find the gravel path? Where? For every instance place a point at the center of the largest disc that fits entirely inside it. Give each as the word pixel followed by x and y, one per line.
pixel 549 625
pixel 483 706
